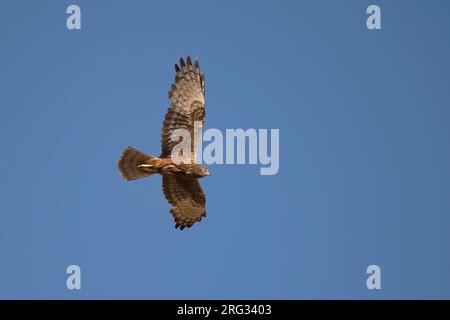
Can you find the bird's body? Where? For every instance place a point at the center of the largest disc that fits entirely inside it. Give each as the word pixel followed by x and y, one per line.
pixel 180 179
pixel 165 166
pixel 147 165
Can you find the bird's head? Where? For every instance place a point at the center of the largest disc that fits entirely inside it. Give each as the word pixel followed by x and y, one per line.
pixel 200 172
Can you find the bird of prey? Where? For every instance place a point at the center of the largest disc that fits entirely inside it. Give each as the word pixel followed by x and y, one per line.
pixel 179 180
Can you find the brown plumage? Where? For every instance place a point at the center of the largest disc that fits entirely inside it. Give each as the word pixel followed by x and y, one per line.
pixel 179 181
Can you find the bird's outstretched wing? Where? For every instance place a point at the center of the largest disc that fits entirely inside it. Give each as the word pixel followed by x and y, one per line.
pixel 187 105
pixel 187 200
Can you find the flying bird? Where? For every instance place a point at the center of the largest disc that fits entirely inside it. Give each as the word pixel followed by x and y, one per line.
pixel 180 183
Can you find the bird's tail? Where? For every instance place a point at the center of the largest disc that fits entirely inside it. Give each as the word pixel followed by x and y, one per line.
pixel 130 161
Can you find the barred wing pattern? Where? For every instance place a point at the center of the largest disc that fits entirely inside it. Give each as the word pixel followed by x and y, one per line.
pixel 187 200
pixel 187 105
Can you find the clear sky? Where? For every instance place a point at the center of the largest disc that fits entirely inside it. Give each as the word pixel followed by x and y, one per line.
pixel 364 120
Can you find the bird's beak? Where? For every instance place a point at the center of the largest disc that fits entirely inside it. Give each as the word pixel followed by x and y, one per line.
pixel 207 173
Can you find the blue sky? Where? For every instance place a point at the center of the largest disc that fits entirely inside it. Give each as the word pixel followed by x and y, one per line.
pixel 364 149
